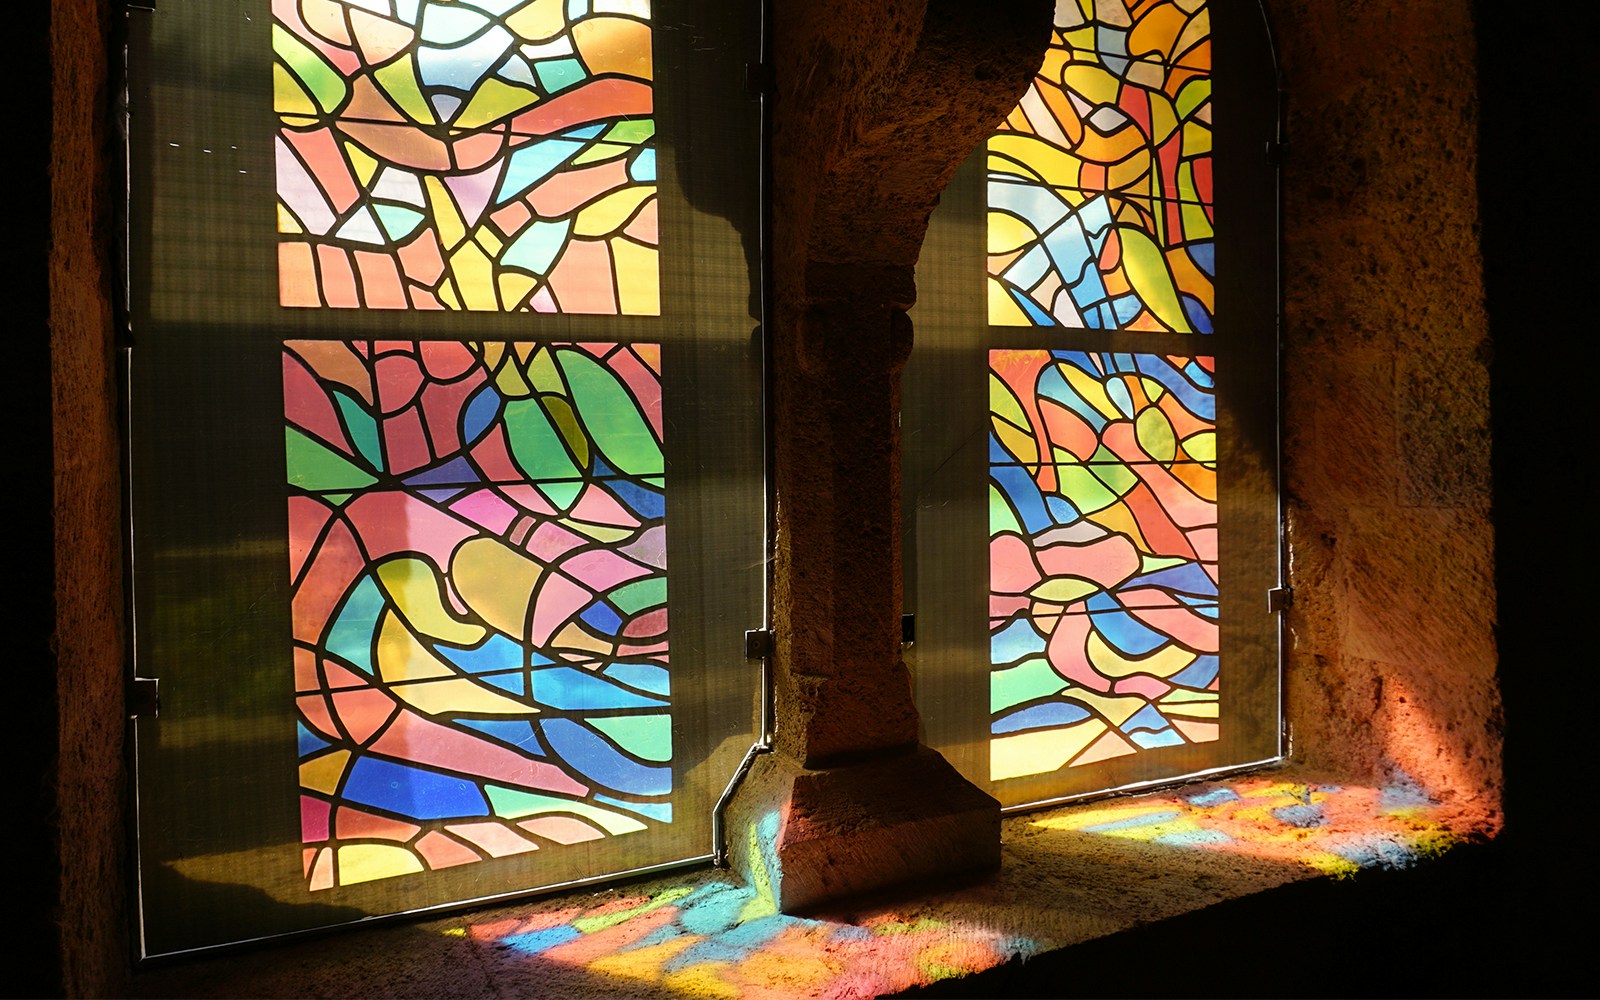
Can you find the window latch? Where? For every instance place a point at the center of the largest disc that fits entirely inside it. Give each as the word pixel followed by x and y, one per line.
pixel 144 698
pixel 1279 600
pixel 759 79
pixel 758 644
pixel 908 629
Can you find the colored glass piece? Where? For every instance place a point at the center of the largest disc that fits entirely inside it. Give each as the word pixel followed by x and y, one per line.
pixel 1103 557
pixel 482 155
pixel 479 600
pixel 1099 182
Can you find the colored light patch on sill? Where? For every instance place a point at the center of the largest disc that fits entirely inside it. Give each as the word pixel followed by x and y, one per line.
pixel 1102 557
pixel 1100 181
pixel 1335 829
pixel 477 555
pixel 466 156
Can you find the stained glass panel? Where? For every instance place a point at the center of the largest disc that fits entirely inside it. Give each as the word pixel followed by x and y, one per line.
pixel 483 155
pixel 1099 182
pixel 1103 557
pixel 478 553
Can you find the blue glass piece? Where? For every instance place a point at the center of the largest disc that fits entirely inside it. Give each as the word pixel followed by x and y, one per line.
pixel 517 70
pixel 1024 495
pixel 1036 315
pixel 446 24
pixel 1189 578
pixel 456 472
pixel 480 413
pixel 513 683
pixel 1199 319
pixel 1193 396
pixel 570 689
pixel 1095 217
pixel 309 742
pixel 1053 385
pixel 532 164
pixel 997 451
pixel 1046 716
pixel 445 106
pixel 1125 308
pixel 647 503
pixel 1198 674
pixel 601 617
pixel 577 9
pixel 1198 376
pixel 643 167
pixel 464 66
pixel 1146 740
pixel 1121 630
pixel 661 812
pixel 1061 510
pixel 1120 397
pixel 1027 270
pixel 350 638
pixel 645 676
pixel 597 761
pixel 517 732
pixel 537 247
pixel 1148 717
pixel 1070 250
pixel 559 74
pixel 412 791
pixel 496 653
pixel 442 496
pixel 1015 641
pixel 1204 256
pixel 586 132
pixel 1040 207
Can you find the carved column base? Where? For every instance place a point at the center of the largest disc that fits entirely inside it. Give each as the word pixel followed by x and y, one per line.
pixel 813 837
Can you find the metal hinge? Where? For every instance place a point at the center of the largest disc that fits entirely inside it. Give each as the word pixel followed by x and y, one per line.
pixel 1279 600
pixel 1275 151
pixel 908 629
pixel 144 698
pixel 758 644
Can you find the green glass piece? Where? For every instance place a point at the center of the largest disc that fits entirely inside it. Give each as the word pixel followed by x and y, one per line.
pixel 1002 518
pixel 611 416
pixel 512 803
pixel 363 430
pixel 646 736
pixel 632 131
pixel 535 443
pixel 320 80
pixel 315 466
pixel 640 594
pixel 1026 681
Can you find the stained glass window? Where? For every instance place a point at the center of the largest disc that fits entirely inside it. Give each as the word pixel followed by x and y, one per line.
pixel 421 454
pixel 483 154
pixel 1109 601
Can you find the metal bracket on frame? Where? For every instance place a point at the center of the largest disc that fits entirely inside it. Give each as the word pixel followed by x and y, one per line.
pixel 1279 600
pixel 758 644
pixel 144 698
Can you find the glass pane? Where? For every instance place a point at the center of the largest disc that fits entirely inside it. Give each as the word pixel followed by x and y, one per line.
pixel 404 571
pixel 1091 520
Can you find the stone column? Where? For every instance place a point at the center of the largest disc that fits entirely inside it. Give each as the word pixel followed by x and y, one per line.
pixel 869 126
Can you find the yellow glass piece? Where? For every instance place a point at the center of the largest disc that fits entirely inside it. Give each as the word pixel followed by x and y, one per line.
pixel 599 532
pixel 539 20
pixel 489 241
pixel 1163 663
pixel 1146 268
pixel 543 374
pixel 320 80
pixel 474 274
pixel 401 657
pixel 614 45
pixel 496 581
pixel 606 215
pixel 399 82
pixel 508 379
pixel 447 294
pixel 459 695
pixel 322 774
pixel 1093 83
pixel 1003 403
pixel 1114 709
pixel 361 162
pixel 575 636
pixel 1089 390
pixel 1201 447
pixel 638 277
pixel 495 99
pixel 1064 589
pixel 1008 233
pixel 1051 164
pixel 566 423
pixel 288 97
pixel 452 228
pixel 417 591
pixel 1117 518
pixel 369 862
pixel 1040 752
pixel 1191 710
pixel 515 287
pixel 1196 138
pixel 1003 309
pixel 287 222
pixel 1018 442
pixel 1155 435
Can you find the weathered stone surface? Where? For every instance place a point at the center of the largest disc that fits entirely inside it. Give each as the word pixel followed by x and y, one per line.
pixel 813 837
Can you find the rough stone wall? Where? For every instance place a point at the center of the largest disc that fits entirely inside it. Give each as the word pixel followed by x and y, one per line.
pixel 1392 662
pixel 88 587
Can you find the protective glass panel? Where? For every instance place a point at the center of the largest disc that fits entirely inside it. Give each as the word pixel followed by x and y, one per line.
pixel 1092 517
pixel 445 483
